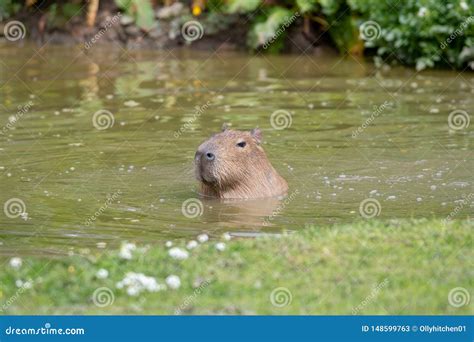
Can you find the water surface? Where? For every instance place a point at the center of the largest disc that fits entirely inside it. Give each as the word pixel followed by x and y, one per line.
pixel 86 188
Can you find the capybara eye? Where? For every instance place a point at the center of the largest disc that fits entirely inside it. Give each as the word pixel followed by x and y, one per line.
pixel 241 144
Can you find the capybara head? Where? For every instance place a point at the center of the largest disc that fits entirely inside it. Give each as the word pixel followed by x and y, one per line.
pixel 231 164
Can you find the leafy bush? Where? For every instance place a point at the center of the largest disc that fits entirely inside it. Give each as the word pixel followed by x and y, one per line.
pixel 422 33
pixel 270 20
pixel 8 8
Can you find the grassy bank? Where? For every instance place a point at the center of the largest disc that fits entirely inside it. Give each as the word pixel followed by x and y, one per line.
pixel 396 267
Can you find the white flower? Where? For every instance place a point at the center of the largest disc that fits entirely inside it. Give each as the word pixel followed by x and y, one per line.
pixel 169 244
pixel 464 5
pixel 220 246
pixel 16 263
pixel 173 281
pixel 125 254
pixel 178 253
pixel 126 250
pixel 135 283
pixel 133 291
pixel 203 238
pixel 192 244
pixel 24 284
pixel 156 287
pixel 102 273
pixel 422 11
pixel 227 236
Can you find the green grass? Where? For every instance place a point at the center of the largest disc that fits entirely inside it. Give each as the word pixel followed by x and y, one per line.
pixel 372 267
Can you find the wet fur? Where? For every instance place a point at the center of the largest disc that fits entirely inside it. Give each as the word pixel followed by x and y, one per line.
pixel 237 172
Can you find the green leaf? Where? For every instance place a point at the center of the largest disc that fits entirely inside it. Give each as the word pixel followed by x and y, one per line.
pixel 140 10
pixel 330 7
pixel 69 10
pixel 243 6
pixel 307 5
pixel 123 4
pixel 145 17
pixel 272 28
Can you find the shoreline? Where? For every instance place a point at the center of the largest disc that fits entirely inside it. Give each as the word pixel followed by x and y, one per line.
pixel 368 267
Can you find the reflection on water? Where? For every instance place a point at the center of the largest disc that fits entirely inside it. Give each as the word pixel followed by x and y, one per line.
pixel 250 214
pixel 355 133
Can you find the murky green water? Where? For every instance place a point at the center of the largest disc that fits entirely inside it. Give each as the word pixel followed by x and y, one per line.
pixel 88 188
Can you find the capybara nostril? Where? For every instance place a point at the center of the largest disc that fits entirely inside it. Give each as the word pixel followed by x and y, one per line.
pixel 210 156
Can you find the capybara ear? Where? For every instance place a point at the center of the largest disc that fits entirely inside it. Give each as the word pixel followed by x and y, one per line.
pixel 257 135
pixel 225 127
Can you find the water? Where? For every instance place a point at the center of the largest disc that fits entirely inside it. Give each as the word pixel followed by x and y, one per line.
pixel 85 188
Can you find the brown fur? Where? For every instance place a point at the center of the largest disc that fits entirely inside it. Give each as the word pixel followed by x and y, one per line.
pixel 235 171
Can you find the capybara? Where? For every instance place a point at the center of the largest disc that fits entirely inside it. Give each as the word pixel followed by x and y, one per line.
pixel 233 164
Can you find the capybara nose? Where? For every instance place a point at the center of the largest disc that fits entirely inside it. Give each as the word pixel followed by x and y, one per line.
pixel 210 156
